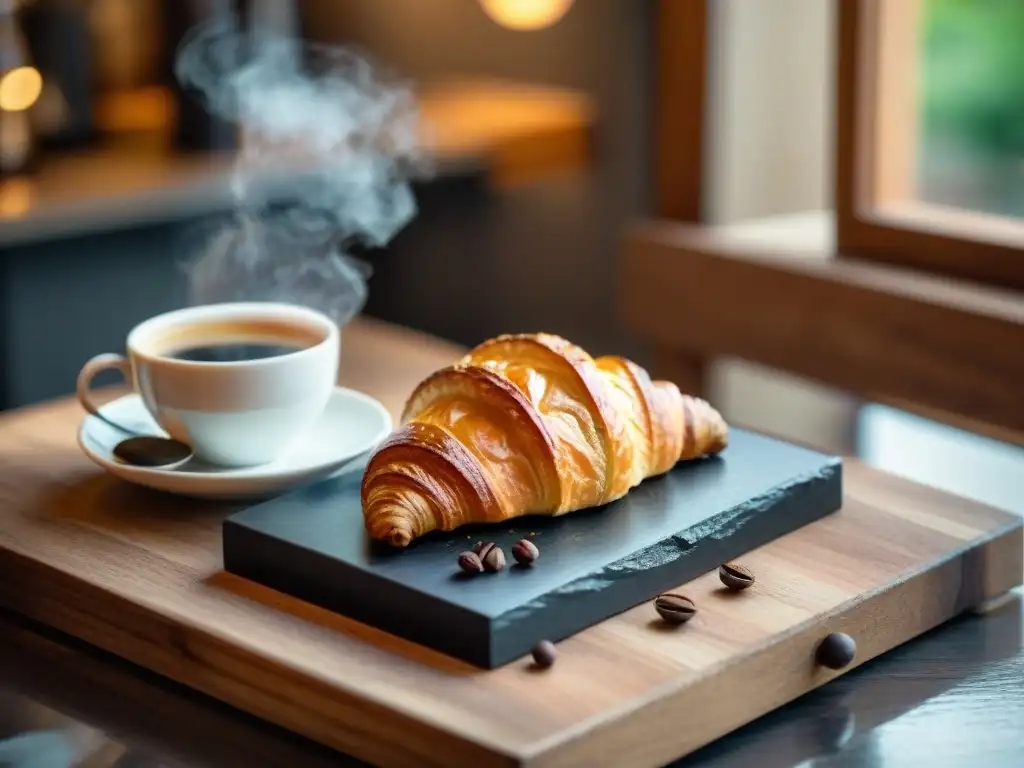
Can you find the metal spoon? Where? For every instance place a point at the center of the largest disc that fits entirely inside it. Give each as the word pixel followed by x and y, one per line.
pixel 148 450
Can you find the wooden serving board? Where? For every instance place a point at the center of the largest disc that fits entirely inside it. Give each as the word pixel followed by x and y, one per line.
pixel 140 575
pixel 312 544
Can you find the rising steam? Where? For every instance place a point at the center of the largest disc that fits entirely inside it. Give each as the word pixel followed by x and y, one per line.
pixel 328 146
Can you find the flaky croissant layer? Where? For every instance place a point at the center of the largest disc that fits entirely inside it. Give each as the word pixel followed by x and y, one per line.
pixel 528 424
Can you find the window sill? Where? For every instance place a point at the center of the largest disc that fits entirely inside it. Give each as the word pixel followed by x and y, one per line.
pixel 773 292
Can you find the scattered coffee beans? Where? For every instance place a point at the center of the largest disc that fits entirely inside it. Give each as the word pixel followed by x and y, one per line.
pixel 673 608
pixel 836 651
pixel 544 654
pixel 470 562
pixel 735 577
pixel 525 552
pixel 492 556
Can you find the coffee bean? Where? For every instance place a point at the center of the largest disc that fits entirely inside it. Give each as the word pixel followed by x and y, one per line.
pixel 525 552
pixel 492 556
pixel 544 653
pixel 836 651
pixel 470 562
pixel 735 577
pixel 673 608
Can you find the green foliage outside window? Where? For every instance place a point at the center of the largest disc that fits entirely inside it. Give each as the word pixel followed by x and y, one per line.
pixel 974 74
pixel 972 105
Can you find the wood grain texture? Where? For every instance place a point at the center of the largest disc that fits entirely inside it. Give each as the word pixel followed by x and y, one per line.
pixel 909 707
pixel 139 574
pixel 773 292
pixel 88 687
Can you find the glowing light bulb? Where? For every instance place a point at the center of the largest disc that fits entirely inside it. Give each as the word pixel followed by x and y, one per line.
pixel 526 14
pixel 20 89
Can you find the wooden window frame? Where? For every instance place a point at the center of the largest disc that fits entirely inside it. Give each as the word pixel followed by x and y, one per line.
pixel 827 295
pixel 876 216
pixel 681 71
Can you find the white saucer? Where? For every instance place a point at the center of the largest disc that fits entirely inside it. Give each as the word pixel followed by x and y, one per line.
pixel 352 425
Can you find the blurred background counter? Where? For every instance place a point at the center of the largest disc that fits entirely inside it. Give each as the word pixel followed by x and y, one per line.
pixel 108 172
pixel 105 234
pixel 503 133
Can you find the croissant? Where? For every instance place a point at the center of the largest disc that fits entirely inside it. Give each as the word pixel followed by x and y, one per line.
pixel 524 425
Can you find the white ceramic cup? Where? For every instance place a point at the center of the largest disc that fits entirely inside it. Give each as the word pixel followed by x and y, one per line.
pixel 235 413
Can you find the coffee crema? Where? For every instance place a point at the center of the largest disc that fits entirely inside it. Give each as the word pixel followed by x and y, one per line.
pixel 237 341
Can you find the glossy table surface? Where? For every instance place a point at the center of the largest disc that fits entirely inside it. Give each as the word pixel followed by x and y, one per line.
pixel 952 697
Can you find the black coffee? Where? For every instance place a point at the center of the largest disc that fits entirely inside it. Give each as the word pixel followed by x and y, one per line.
pixel 233 352
pixel 234 341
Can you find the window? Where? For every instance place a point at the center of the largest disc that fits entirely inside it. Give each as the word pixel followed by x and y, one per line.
pixel 930 136
pixel 925 155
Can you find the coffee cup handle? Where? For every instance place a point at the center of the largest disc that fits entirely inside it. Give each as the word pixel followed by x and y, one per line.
pixel 90 371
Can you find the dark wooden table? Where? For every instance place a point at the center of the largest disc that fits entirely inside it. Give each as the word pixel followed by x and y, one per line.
pixel 952 697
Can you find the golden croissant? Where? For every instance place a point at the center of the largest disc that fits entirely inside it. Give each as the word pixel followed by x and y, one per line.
pixel 526 425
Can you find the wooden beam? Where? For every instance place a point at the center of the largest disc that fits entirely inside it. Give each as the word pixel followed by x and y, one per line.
pixel 681 73
pixel 893 161
pixel 688 372
pixel 773 292
pixel 850 119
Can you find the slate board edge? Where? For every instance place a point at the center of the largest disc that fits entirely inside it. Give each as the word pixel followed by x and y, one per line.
pixel 323 581
pixel 488 643
pixel 806 498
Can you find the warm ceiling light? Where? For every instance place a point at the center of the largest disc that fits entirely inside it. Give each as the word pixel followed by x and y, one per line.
pixel 526 14
pixel 20 89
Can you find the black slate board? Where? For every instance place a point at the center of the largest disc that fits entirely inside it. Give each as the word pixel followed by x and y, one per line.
pixel 311 544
